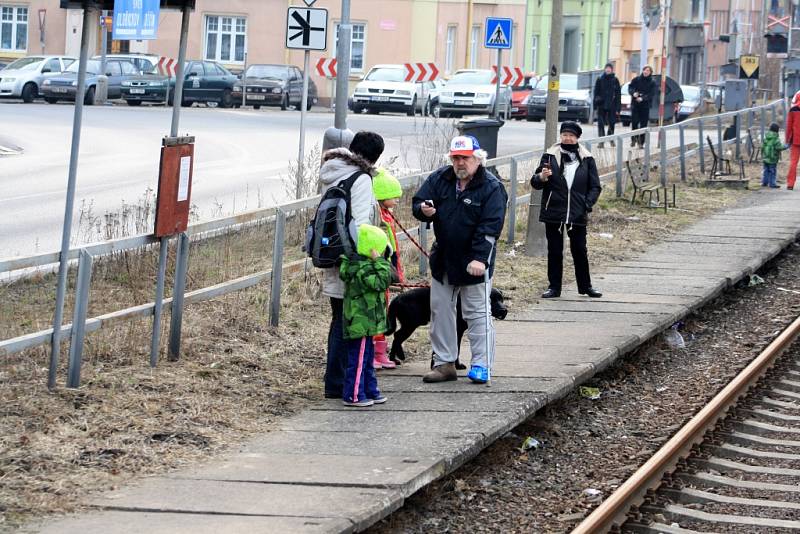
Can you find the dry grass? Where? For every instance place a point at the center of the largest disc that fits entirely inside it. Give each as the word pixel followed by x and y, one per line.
pixel 237 377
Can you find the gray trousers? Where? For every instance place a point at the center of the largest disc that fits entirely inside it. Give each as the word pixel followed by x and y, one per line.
pixel 474 306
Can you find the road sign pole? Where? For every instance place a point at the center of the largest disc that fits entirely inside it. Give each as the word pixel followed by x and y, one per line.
pixel 55 347
pixel 244 82
pixel 177 99
pixel 497 84
pixel 301 156
pixel 179 283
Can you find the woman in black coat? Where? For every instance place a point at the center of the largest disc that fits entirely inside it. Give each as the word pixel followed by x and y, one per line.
pixel 568 176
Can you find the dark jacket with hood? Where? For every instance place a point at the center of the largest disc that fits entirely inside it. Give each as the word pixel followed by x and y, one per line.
pixel 607 93
pixel 562 204
pixel 465 224
pixel 646 87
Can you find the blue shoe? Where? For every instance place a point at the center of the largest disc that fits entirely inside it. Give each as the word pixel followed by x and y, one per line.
pixel 478 374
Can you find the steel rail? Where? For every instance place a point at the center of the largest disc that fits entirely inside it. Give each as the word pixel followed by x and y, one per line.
pixel 613 511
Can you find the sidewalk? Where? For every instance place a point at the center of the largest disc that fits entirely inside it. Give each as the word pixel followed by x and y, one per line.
pixel 332 469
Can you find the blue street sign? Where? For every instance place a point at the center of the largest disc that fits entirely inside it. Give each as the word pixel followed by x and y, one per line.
pixel 135 20
pixel 498 33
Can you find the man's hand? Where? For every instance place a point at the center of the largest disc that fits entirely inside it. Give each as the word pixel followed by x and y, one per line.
pixel 476 268
pixel 427 209
pixel 546 173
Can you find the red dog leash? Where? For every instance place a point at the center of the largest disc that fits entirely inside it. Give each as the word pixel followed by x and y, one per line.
pixel 422 250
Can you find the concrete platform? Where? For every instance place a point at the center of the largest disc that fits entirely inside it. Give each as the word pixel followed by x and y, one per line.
pixel 333 469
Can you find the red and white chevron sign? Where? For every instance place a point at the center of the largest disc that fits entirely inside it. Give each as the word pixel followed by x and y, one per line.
pixel 512 76
pixel 326 67
pixel 421 72
pixel 167 66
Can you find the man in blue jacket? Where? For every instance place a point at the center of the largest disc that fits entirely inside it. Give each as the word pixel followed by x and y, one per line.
pixel 467 205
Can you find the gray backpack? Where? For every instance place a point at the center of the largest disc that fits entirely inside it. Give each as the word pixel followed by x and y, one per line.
pixel 332 232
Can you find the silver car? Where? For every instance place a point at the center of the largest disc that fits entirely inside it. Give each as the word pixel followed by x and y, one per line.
pixel 23 78
pixel 471 91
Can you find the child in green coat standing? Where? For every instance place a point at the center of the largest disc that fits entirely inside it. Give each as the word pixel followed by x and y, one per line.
pixel 366 278
pixel 770 155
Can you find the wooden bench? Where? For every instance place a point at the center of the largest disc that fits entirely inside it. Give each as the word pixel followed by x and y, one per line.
pixel 755 144
pixel 643 187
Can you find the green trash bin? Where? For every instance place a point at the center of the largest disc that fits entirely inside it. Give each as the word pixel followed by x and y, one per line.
pixel 484 130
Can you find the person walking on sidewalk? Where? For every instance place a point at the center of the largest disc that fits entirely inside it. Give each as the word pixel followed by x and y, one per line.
pixel 642 90
pixel 467 205
pixel 388 191
pixel 607 101
pixel 567 174
pixel 339 164
pixel 793 139
pixel 366 278
pixel 771 154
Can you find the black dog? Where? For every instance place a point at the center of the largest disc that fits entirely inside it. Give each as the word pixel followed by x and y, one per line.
pixel 413 309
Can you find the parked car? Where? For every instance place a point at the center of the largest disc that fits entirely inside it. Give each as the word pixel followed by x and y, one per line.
pixel 64 86
pixel 146 63
pixel 384 89
pixel 432 107
pixel 274 85
pixel 573 103
pixel 470 91
pixel 148 87
pixel 23 78
pixel 694 103
pixel 207 81
pixel 520 96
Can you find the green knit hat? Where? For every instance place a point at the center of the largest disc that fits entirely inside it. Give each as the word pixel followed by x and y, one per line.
pixel 371 238
pixel 386 186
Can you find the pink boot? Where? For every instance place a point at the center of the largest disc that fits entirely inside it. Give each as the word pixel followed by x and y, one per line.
pixel 381 361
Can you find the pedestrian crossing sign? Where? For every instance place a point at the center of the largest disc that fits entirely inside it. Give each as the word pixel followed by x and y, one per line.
pixel 498 33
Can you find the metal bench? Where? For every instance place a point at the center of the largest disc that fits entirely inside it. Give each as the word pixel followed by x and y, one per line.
pixel 755 144
pixel 643 187
pixel 721 166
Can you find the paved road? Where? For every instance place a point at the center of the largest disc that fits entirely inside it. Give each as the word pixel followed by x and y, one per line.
pixel 242 159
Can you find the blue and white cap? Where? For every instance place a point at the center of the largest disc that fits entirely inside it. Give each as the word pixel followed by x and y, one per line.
pixel 464 145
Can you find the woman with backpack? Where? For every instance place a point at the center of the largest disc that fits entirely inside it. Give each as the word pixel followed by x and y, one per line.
pixel 338 165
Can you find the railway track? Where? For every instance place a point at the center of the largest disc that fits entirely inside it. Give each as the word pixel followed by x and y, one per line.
pixel 734 467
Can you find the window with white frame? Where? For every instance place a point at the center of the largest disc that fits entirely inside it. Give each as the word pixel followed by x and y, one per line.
pixel 226 38
pixel 598 50
pixel 13 28
pixel 474 44
pixel 450 49
pixel 535 53
pixel 358 45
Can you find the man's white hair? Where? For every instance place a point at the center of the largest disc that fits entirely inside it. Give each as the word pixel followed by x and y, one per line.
pixel 481 155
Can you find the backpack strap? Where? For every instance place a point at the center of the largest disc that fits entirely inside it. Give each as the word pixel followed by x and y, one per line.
pixel 347 183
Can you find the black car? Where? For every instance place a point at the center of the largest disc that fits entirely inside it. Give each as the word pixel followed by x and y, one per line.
pixel 205 81
pixel 274 85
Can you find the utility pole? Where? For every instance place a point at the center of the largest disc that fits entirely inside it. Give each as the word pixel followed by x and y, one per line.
pixel 338 135
pixel 535 243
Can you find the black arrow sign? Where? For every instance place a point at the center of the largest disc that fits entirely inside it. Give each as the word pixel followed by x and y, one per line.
pixel 304 26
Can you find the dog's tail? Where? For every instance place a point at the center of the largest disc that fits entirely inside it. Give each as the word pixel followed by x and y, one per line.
pixel 391 320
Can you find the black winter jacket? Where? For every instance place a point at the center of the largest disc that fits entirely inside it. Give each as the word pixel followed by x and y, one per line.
pixel 607 93
pixel 560 204
pixel 465 224
pixel 646 87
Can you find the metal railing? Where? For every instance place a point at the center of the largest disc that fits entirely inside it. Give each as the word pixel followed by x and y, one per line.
pixel 81 325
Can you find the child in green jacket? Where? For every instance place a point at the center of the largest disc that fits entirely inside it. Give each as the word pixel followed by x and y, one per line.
pixel 366 278
pixel 770 155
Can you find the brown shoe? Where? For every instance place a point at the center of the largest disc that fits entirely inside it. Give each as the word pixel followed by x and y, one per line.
pixel 442 373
